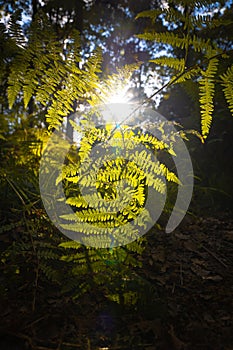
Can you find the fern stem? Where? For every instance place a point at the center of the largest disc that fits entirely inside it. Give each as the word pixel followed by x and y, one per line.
pixel 16 191
pixel 37 264
pixel 188 12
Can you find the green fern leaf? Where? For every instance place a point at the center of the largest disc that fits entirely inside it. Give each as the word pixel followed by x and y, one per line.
pixel 70 245
pixel 172 62
pixel 227 83
pixel 166 38
pixel 206 91
pixel 152 14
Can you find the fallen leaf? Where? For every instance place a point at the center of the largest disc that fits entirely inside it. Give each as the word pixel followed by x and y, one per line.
pixel 192 246
pixel 214 278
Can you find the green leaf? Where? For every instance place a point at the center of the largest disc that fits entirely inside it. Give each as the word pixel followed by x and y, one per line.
pixel 206 92
pixel 227 83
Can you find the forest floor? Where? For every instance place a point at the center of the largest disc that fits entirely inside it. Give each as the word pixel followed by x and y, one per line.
pixel 192 307
pixel 196 280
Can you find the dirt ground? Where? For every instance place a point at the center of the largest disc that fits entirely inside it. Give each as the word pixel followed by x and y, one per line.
pixel 189 274
pixel 195 277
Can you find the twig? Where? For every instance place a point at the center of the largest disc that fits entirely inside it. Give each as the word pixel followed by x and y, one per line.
pixel 22 336
pixel 62 336
pixel 214 256
pixel 36 321
pixel 181 275
pixel 43 348
pixel 88 344
pixel 32 242
pixel 16 191
pixel 72 345
pixel 37 263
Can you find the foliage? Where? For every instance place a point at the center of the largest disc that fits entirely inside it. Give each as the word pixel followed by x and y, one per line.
pixel 107 194
pixel 54 76
pixel 184 40
pixel 227 83
pixel 51 74
pixel 32 249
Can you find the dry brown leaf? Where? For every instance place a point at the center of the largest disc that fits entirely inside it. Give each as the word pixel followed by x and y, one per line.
pixel 190 245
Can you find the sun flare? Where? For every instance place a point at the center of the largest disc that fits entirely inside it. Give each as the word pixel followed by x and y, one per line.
pixel 117 106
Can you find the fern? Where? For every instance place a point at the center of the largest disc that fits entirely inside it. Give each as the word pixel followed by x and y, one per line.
pixel 118 82
pixel 104 264
pixel 168 38
pixel 10 226
pixel 209 21
pixel 227 83
pixel 101 210
pixel 207 87
pixel 177 64
pixel 191 41
pixel 15 30
pixel 41 70
pixel 50 273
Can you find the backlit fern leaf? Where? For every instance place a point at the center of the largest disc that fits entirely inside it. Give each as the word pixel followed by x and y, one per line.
pixel 152 14
pixel 99 210
pixel 172 62
pixel 115 82
pixel 70 245
pixel 166 38
pixel 227 83
pixel 206 92
pixel 15 79
pixel 15 29
pixel 186 76
pixel 200 20
pixel 188 14
pixel 170 38
pixel 53 78
pixel 200 44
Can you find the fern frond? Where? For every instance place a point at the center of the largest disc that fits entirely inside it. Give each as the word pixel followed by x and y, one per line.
pixel 169 15
pixel 165 38
pixel 227 83
pixel 152 14
pixel 206 92
pixel 16 77
pixel 200 44
pixel 209 21
pixel 48 254
pixel 41 70
pixel 49 272
pixel 15 29
pixel 70 245
pixel 9 227
pixel 172 62
pixel 117 82
pixel 186 76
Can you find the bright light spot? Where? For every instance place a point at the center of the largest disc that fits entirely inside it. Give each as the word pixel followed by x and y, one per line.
pixel 116 112
pixel 165 5
pixel 120 96
pixel 117 106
